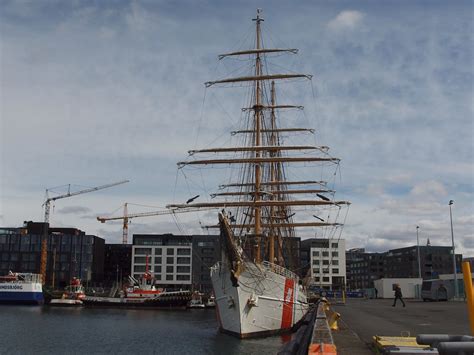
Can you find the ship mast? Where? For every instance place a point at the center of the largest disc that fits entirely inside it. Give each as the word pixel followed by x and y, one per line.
pixel 257 114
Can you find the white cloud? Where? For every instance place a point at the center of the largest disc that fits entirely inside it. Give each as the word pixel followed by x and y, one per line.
pixel 429 190
pixel 346 20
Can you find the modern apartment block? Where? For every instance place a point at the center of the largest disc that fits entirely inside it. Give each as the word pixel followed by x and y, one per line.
pixel 176 261
pixel 325 261
pixel 71 253
pixel 363 268
pixel 169 258
pixel 434 260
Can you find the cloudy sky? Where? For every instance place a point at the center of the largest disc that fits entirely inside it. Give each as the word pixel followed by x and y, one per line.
pixel 95 92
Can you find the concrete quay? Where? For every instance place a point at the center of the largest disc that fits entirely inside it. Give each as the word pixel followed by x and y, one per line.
pixel 361 319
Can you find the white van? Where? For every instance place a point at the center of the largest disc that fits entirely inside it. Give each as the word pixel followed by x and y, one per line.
pixel 436 290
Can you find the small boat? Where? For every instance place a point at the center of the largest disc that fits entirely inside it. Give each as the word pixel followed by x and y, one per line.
pixel 73 295
pixel 211 302
pixel 21 288
pixel 196 301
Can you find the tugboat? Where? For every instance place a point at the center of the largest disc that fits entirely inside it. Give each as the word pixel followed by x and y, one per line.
pixel 73 295
pixel 142 293
pixel 21 288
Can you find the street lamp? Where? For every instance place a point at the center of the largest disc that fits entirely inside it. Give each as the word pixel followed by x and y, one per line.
pixel 418 247
pixel 456 288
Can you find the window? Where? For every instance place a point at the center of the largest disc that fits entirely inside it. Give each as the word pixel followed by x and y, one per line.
pixel 170 260
pixel 325 279
pixel 158 260
pixel 325 253
pixel 157 277
pixel 169 277
pixel 335 253
pixel 335 271
pixel 325 262
pixel 184 260
pixel 335 262
pixel 334 245
pixel 158 268
pixel 139 268
pixel 315 262
pixel 184 251
pixel 170 269
pixel 316 271
pixel 142 251
pixel 158 251
pixel 170 251
pixel 317 278
pixel 183 269
pixel 325 271
pixel 208 250
pixel 139 260
pixel 182 278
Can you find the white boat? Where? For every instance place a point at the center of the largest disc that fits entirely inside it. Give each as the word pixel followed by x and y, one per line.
pixel 196 301
pixel 211 302
pixel 255 292
pixel 21 288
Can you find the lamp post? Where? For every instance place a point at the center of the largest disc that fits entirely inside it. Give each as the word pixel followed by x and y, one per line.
pixel 456 288
pixel 418 249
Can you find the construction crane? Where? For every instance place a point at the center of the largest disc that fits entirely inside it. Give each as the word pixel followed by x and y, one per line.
pixel 127 217
pixel 47 209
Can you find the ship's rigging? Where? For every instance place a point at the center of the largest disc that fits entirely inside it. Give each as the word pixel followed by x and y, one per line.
pixel 262 201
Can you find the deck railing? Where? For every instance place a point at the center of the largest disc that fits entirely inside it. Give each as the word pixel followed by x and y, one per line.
pixel 280 270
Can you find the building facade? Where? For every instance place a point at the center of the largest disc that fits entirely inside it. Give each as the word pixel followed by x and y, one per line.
pixel 363 268
pixel 71 253
pixel 324 262
pixel 117 263
pixel 434 260
pixel 177 261
pixel 206 252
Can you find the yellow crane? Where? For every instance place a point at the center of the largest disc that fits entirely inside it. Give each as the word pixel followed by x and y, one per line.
pixel 127 217
pixel 47 210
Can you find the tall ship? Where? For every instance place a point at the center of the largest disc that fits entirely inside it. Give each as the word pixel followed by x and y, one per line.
pixel 256 286
pixel 21 288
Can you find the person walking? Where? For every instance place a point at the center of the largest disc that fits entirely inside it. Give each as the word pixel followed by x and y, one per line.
pixel 398 295
pixel 376 293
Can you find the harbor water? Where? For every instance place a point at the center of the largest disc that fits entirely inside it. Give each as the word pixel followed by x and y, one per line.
pixel 50 330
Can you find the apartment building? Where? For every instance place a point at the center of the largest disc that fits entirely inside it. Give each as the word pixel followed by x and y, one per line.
pixel 325 261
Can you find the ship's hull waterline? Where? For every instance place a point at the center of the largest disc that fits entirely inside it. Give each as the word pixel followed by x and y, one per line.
pixel 264 303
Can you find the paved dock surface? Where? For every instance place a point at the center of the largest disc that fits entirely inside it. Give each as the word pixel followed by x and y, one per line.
pixel 362 319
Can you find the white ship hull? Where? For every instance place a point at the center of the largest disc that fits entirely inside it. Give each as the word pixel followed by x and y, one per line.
pixel 21 293
pixel 268 300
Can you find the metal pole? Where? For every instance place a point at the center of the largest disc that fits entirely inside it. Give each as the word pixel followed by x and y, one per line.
pixel 468 290
pixel 456 287
pixel 418 247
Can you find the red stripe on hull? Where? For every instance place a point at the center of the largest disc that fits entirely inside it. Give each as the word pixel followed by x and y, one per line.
pixel 287 315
